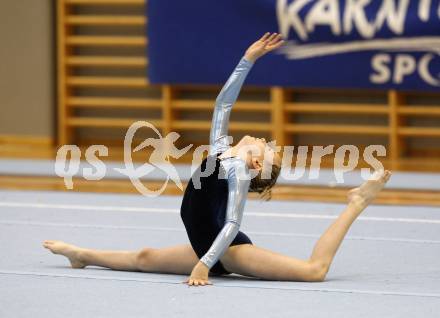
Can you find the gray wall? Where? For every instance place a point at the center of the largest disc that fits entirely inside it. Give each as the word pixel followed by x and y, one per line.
pixel 27 65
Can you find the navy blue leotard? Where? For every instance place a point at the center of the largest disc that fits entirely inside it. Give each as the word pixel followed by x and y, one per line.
pixel 212 205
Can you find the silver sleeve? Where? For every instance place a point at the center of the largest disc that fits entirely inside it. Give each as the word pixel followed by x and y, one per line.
pixel 238 187
pixel 218 137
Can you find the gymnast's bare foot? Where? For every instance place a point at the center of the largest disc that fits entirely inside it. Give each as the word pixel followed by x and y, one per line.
pixel 68 250
pixel 367 192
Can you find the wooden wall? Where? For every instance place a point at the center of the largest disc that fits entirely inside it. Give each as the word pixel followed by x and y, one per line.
pixel 102 89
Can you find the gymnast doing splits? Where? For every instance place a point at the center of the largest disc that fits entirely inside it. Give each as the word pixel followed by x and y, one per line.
pixel 212 208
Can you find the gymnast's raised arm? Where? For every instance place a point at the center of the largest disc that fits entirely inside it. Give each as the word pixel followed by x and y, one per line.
pixel 218 137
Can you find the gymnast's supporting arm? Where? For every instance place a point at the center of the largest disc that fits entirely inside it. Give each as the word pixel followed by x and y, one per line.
pixel 238 187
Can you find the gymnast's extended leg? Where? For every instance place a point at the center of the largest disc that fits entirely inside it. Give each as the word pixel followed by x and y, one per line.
pixel 254 261
pixel 179 259
pixel 244 259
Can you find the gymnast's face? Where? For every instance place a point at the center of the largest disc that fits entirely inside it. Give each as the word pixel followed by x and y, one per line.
pixel 258 151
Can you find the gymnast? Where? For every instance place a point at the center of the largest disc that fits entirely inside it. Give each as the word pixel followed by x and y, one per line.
pixel 212 211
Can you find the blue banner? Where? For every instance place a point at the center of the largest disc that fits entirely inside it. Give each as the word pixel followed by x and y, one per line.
pixel 379 44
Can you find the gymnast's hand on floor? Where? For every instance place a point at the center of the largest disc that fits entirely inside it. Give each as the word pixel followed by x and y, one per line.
pixel 267 43
pixel 199 275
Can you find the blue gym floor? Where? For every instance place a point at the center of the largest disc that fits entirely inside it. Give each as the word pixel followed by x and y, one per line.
pixel 388 266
